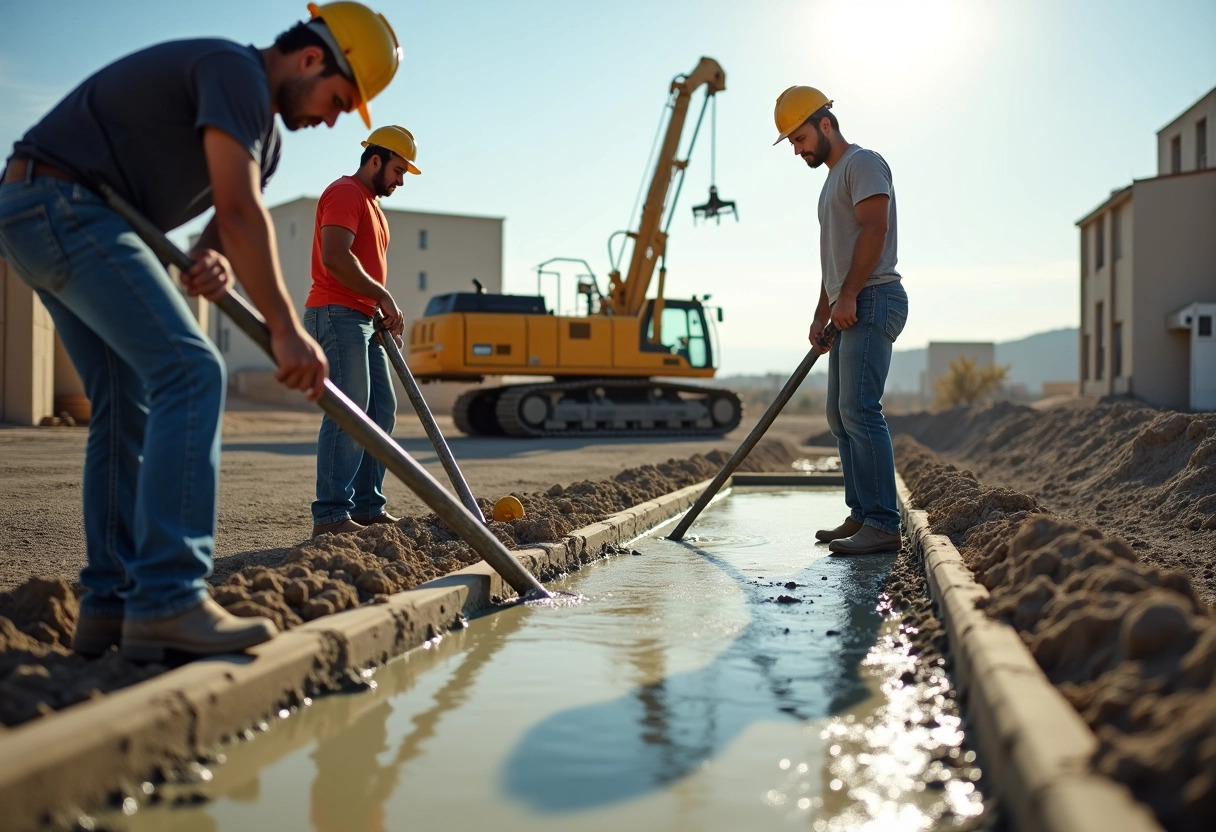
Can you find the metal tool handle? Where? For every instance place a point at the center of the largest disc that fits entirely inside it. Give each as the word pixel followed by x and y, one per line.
pixel 351 418
pixel 425 416
pixel 787 392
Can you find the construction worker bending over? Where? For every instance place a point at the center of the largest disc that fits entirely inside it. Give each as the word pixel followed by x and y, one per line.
pixel 174 129
pixel 862 294
pixel 349 267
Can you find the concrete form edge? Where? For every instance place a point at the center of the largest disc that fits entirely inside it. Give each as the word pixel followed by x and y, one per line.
pixel 1036 747
pixel 51 769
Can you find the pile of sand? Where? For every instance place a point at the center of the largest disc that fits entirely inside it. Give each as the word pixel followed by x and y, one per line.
pixel 39 674
pixel 1129 643
pixel 1136 472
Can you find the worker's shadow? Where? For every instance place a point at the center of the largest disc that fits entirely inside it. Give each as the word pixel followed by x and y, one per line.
pixel 783 665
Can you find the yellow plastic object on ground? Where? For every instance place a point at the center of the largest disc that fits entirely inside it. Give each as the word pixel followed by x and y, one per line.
pixel 397 139
pixel 508 508
pixel 367 43
pixel 795 106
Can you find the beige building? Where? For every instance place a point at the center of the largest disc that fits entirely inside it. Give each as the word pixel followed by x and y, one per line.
pixel 939 355
pixel 429 254
pixel 1148 258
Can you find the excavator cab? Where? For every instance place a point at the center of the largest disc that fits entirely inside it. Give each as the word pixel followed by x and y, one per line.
pixel 683 332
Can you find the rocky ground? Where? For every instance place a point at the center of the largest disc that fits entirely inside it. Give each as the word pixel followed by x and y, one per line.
pixel 40 674
pixel 1094 530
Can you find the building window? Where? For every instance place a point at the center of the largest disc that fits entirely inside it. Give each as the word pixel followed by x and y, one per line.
pixel 421 281
pixel 1116 235
pixel 1176 154
pixel 1201 144
pixel 1100 243
pixel 1084 358
pixel 1084 253
pixel 1116 350
pixel 292 233
pixel 422 238
pixel 1099 343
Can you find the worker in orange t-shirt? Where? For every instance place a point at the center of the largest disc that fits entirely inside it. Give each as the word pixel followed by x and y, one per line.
pixel 349 268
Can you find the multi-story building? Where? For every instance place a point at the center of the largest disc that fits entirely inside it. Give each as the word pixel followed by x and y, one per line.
pixel 1148 275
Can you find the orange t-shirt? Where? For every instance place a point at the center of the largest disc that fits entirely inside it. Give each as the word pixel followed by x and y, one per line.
pixel 348 203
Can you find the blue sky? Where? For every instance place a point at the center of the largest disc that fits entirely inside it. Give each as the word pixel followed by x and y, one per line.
pixel 1003 122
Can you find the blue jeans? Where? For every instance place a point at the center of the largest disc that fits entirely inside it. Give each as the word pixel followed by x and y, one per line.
pixel 156 386
pixel 857 373
pixel 349 481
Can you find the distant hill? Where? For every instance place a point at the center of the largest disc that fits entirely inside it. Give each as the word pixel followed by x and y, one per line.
pixel 1047 356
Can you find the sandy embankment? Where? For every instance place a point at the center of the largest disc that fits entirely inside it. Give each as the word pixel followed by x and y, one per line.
pixel 1094 530
pixel 39 674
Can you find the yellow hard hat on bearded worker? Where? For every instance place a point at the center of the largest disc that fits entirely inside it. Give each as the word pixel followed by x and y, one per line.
pixel 399 140
pixel 364 45
pixel 795 106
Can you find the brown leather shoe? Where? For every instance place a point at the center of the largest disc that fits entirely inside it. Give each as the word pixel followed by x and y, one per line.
pixel 95 634
pixel 338 527
pixel 205 629
pixel 866 541
pixel 846 529
pixel 379 518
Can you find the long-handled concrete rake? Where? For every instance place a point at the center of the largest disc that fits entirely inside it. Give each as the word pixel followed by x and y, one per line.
pixel 766 420
pixel 426 418
pixel 354 421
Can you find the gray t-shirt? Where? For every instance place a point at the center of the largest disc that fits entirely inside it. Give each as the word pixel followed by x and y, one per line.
pixel 137 124
pixel 859 174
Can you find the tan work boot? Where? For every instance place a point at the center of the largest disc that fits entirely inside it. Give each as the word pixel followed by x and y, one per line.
pixel 338 527
pixel 866 541
pixel 205 629
pixel 95 634
pixel 846 529
pixel 379 518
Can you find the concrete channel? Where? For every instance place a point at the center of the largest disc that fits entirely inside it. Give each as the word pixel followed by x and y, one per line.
pixel 56 770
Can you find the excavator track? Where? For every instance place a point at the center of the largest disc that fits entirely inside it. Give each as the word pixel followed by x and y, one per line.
pixel 602 408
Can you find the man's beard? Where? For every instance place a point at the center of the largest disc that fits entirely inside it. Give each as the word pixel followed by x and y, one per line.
pixel 291 102
pixel 822 150
pixel 380 183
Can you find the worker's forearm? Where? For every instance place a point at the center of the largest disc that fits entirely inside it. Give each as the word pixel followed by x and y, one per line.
pixel 348 271
pixel 247 240
pixel 866 254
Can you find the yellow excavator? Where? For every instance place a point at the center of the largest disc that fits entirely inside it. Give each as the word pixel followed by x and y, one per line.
pixel 616 368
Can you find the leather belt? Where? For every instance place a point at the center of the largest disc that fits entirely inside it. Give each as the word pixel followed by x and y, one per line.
pixel 18 166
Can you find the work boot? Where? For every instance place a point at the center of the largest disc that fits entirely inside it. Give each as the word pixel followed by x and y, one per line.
pixel 95 634
pixel 848 528
pixel 384 517
pixel 337 527
pixel 205 629
pixel 867 540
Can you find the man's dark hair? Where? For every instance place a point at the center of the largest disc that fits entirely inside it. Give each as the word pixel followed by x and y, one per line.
pixel 375 150
pixel 301 36
pixel 822 113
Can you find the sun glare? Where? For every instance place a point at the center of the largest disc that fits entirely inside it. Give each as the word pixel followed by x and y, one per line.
pixel 892 44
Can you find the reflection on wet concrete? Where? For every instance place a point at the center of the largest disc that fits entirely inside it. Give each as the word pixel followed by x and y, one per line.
pixel 782 665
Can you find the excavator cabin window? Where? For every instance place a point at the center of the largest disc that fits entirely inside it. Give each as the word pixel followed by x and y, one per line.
pixel 683 332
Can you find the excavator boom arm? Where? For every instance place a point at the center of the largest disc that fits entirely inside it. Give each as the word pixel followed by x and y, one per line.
pixel 628 296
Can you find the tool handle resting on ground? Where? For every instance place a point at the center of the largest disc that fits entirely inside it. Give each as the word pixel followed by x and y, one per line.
pixel 348 416
pixel 389 342
pixel 787 392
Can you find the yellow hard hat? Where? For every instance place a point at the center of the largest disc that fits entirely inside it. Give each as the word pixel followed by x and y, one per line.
pixel 507 509
pixel 367 48
pixel 399 140
pixel 795 106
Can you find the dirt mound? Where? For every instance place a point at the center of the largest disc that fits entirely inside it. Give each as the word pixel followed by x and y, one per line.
pixel 1130 644
pixel 1136 472
pixel 40 674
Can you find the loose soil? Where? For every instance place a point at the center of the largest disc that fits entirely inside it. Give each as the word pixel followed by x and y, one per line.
pixel 1094 530
pixel 39 673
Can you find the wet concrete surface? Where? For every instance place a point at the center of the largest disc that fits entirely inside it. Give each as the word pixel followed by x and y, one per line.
pixel 741 679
